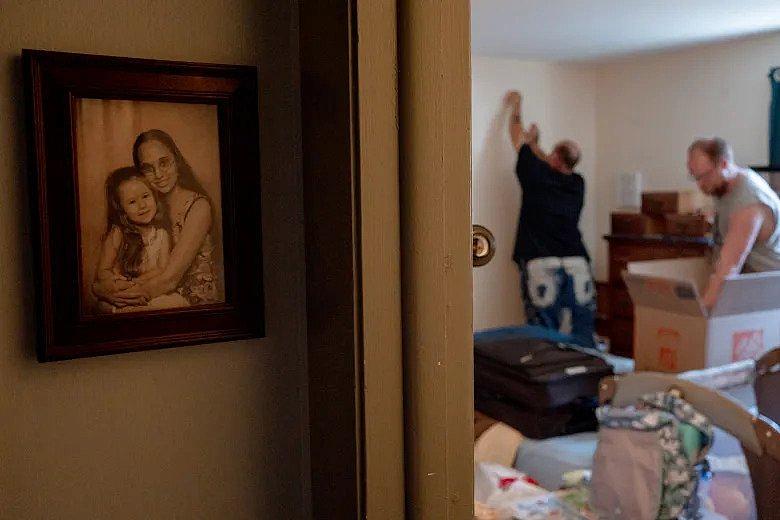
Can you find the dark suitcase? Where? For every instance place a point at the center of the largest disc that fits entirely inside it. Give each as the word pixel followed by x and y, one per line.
pixel 578 416
pixel 539 387
pixel 537 373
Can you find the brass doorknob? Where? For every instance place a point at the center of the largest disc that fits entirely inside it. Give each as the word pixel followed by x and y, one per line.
pixel 483 245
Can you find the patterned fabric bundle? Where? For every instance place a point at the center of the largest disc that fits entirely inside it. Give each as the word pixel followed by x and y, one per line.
pixel 649 459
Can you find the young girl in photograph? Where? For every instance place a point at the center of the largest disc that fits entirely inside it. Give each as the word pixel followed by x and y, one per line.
pixel 137 243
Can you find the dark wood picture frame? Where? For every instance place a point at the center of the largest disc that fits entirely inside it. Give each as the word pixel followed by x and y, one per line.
pixel 54 81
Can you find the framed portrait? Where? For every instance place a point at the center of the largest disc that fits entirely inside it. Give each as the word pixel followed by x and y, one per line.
pixel 145 181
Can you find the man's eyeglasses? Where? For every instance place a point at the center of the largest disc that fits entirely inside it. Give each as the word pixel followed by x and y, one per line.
pixel 697 177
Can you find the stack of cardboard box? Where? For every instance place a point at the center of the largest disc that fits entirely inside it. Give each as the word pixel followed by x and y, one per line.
pixel 672 213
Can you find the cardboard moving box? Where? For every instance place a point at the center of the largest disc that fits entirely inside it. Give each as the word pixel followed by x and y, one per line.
pixel 662 202
pixel 686 225
pixel 632 223
pixel 672 330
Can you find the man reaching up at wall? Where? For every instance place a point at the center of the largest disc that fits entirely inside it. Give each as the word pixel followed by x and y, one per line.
pixel 555 275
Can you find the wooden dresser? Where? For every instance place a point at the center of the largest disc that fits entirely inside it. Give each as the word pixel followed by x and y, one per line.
pixel 615 313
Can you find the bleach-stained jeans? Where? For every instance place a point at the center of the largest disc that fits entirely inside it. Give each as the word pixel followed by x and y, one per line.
pixel 559 294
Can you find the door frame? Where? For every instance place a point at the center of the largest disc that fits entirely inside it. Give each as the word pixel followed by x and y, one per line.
pixel 331 179
pixel 390 407
pixel 435 173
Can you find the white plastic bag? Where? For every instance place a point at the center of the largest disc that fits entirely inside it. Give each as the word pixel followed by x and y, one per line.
pixel 497 489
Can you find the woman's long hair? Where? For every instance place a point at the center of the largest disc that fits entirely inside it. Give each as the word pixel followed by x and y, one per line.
pixel 131 250
pixel 186 175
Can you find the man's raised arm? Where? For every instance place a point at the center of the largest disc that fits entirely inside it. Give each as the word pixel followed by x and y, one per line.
pixel 516 131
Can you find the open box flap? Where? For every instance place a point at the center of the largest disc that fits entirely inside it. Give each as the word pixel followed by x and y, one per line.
pixel 748 293
pixel 678 296
pixel 696 270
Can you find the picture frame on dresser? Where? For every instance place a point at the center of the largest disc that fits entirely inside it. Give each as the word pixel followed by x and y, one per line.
pixel 145 194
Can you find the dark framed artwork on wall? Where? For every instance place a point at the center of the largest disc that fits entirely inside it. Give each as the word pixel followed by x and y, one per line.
pixel 145 185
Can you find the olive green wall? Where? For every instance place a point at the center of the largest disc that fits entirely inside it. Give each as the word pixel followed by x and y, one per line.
pixel 216 431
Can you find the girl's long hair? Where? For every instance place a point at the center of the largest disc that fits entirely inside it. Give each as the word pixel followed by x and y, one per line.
pixel 131 250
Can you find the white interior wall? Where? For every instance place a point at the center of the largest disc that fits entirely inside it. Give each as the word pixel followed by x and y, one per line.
pixel 650 107
pixel 561 98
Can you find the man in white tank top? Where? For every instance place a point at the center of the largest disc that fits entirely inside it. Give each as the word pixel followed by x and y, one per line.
pixel 747 234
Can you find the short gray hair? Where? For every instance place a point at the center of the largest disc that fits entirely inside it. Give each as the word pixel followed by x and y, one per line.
pixel 716 148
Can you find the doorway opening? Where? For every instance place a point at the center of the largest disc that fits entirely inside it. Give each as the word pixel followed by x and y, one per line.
pixel 632 103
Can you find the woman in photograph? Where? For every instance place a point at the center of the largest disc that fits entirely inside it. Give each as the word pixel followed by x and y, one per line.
pixel 190 270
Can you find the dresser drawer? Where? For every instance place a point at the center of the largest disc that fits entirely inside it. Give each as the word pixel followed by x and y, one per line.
pixel 621 304
pixel 613 300
pixel 621 337
pixel 603 299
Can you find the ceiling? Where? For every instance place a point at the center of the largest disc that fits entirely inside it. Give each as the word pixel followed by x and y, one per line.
pixel 597 29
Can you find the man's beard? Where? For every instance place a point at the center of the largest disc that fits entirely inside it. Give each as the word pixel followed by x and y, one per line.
pixel 720 190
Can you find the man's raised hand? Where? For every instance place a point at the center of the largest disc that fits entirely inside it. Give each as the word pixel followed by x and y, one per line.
pixel 513 98
pixel 532 135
